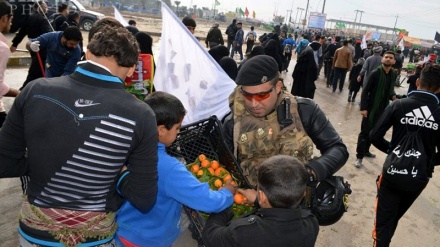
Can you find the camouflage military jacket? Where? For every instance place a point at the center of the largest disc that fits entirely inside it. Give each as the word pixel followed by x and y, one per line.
pixel 256 139
pixel 316 124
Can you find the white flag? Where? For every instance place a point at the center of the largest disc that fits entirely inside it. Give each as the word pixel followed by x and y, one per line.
pixel 364 43
pixel 119 17
pixel 401 45
pixel 186 70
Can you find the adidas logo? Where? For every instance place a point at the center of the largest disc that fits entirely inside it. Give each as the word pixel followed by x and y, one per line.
pixel 421 117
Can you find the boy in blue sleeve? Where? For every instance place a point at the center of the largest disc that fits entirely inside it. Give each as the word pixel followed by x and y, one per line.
pixel 176 186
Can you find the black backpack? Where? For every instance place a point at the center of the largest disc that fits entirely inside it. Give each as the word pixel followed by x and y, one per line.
pixel 52 19
pixel 399 62
pixel 407 164
pixel 287 49
pixel 230 32
pixel 61 26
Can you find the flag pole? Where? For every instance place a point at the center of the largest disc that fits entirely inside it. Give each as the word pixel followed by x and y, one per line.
pixel 44 14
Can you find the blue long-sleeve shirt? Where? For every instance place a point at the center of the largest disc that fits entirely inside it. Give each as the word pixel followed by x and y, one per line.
pixel 59 60
pixel 176 186
pixel 289 41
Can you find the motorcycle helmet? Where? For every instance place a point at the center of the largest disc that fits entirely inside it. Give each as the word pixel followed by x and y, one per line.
pixel 331 197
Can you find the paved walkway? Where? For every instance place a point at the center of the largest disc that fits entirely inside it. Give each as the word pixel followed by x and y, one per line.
pixel 419 227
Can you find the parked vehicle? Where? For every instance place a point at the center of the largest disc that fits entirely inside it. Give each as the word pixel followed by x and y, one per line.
pixel 23 8
pixel 220 17
pixel 86 17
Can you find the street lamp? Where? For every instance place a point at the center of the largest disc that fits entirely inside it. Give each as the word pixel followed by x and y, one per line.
pixel 177 9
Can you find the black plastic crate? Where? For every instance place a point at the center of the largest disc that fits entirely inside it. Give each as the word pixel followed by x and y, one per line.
pixel 205 137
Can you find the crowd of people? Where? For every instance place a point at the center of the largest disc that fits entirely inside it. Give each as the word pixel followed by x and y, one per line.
pixel 113 183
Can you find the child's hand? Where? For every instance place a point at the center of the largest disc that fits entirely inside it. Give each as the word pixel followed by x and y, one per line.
pixel 123 169
pixel 250 194
pixel 230 187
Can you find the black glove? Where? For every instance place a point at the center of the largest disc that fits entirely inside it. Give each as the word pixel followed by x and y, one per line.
pixel 312 180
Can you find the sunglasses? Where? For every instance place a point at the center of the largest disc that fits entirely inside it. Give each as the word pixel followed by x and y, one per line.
pixel 257 96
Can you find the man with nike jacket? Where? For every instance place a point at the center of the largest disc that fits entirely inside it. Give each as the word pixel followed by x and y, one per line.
pixel 79 131
pixel 419 112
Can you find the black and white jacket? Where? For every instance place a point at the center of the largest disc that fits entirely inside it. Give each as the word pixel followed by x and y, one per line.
pixel 79 131
pixel 421 108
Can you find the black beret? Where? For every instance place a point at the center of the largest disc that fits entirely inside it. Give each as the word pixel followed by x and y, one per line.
pixel 257 70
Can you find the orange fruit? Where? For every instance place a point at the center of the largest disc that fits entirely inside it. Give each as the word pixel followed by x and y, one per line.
pixel 215 164
pixel 204 163
pixel 218 183
pixel 200 173
pixel 233 183
pixel 220 172
pixel 211 170
pixel 227 178
pixel 239 198
pixel 202 157
pixel 195 168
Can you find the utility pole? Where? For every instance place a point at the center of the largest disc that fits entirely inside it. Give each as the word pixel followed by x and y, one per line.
pixel 297 10
pixel 360 19
pixel 323 7
pixel 276 8
pixel 395 23
pixel 214 9
pixel 354 25
pixel 290 16
pixel 305 15
pixel 300 14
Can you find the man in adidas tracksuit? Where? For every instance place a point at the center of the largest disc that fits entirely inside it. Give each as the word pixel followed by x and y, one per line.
pixel 419 111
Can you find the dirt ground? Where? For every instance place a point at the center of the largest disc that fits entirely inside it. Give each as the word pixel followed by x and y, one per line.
pixel 418 227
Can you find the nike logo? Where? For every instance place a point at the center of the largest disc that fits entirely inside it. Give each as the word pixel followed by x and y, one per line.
pixel 84 103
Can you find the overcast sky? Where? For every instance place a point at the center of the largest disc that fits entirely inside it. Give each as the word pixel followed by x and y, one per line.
pixel 420 17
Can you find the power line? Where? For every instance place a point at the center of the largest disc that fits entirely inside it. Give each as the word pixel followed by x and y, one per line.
pixel 422 24
pixel 421 12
